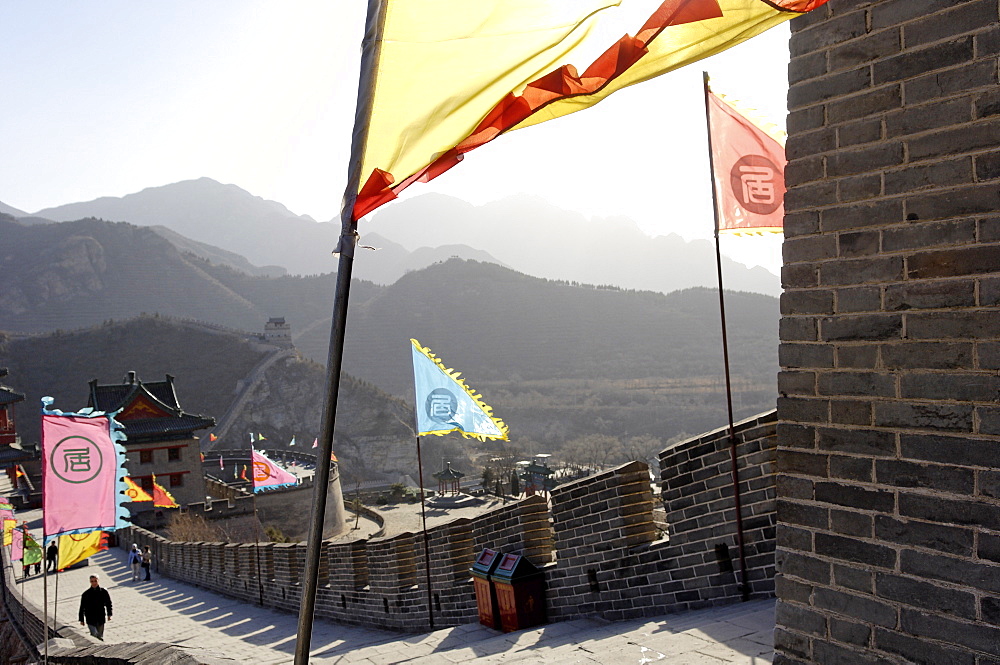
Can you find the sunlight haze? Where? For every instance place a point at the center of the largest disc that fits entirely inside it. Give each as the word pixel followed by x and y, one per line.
pixel 108 98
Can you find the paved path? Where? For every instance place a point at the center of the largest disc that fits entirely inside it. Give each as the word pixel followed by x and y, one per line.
pixel 164 610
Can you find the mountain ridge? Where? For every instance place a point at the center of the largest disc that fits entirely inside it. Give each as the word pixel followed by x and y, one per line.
pixel 525 233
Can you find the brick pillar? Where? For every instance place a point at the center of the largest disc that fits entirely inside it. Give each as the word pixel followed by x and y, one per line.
pixel 392 563
pixel 599 522
pixel 889 426
pixel 348 566
pixel 700 507
pixel 288 565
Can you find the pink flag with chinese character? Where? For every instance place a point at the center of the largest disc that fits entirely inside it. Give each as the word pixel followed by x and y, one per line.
pixel 81 467
pixel 17 544
pixel 267 474
pixel 749 165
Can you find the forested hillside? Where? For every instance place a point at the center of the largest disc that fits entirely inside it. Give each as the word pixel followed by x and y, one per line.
pixel 210 368
pixel 559 360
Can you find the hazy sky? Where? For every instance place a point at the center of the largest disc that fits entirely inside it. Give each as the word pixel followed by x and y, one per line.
pixel 107 97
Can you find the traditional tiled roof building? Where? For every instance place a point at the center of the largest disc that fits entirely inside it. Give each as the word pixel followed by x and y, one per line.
pixel 277 331
pixel 10 455
pixel 8 397
pixel 161 439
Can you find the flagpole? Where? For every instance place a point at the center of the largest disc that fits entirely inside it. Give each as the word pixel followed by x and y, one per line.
pixel 743 587
pixel 55 601
pixel 256 529
pixel 45 587
pixel 427 550
pixel 371 45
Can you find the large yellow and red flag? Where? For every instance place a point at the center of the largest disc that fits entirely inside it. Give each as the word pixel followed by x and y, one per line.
pixel 442 78
pixel 748 169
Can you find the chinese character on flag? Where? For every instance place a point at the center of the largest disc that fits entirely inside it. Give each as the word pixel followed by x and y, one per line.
pixel 748 166
pixel 82 467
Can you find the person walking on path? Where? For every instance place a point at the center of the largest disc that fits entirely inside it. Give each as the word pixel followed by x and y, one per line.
pixel 147 559
pixel 52 558
pixel 134 561
pixel 93 604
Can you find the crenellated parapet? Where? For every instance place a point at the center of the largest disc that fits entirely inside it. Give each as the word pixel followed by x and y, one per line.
pixel 595 540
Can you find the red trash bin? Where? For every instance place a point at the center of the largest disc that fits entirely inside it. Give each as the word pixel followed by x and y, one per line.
pixel 520 589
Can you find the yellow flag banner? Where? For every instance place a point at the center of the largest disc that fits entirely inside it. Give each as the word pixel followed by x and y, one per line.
pixel 134 492
pixel 75 547
pixel 440 79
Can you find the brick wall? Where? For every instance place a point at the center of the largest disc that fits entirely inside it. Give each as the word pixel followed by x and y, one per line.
pixel 595 541
pixel 889 428
pixel 700 513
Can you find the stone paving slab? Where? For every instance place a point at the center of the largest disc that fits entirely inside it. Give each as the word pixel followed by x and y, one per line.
pixel 228 630
pixel 164 610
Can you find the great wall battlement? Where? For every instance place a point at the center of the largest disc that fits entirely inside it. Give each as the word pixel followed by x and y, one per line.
pixel 595 540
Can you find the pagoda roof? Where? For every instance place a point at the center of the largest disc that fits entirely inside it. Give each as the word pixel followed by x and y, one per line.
pixel 449 474
pixel 8 395
pixel 148 410
pixel 538 468
pixel 9 455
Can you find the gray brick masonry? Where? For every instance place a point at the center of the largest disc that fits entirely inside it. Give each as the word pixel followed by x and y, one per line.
pixel 888 450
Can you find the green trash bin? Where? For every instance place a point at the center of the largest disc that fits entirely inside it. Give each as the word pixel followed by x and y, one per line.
pixel 486 595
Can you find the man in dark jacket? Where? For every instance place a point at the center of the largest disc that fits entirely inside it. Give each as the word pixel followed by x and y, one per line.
pixel 52 557
pixel 92 605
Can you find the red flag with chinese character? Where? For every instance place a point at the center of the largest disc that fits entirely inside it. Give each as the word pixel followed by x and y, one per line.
pixel 748 162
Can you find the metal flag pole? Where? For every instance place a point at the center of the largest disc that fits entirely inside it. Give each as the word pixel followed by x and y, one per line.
pixel 744 587
pixel 427 550
pixel 45 586
pixel 55 601
pixel 348 242
pixel 256 531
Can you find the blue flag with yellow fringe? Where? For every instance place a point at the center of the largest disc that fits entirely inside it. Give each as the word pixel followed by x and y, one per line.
pixel 445 404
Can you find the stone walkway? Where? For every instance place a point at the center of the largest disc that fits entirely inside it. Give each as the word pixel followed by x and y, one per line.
pixel 225 631
pixel 164 610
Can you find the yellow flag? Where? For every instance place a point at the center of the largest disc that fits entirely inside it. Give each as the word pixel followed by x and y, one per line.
pixel 442 78
pixel 76 547
pixel 134 492
pixel 8 530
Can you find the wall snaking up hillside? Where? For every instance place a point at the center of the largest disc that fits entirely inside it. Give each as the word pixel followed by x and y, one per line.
pixel 597 547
